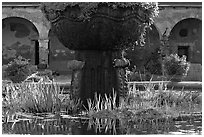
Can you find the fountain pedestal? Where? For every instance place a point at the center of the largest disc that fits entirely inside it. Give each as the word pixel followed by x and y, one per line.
pixel 98 41
pixel 100 73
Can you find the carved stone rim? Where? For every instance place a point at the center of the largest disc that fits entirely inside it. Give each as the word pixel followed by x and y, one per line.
pixel 139 12
pixel 123 19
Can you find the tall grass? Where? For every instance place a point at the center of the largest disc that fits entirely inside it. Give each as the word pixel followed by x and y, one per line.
pixel 37 98
pixel 40 98
pixel 100 103
pixel 167 102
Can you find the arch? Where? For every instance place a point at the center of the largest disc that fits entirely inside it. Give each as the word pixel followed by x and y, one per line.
pixel 186 39
pixel 183 18
pixel 35 16
pixel 19 38
pixel 184 21
pixel 23 17
pixel 169 17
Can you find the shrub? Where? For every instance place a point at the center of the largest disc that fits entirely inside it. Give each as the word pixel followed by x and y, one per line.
pixel 19 69
pixel 153 64
pixel 175 65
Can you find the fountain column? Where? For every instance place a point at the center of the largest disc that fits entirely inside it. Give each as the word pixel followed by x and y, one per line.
pixel 98 32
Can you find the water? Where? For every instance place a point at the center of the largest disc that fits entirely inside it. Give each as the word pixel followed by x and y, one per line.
pixel 80 126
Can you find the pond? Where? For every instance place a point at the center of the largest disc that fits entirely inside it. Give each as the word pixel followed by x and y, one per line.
pixel 145 112
pixel 64 125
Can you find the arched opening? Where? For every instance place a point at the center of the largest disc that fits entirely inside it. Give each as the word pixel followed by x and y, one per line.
pixel 142 54
pixel 19 38
pixel 186 39
pixel 59 55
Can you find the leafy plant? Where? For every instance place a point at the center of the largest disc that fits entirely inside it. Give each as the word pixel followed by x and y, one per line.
pixel 175 65
pixel 19 69
pixel 153 64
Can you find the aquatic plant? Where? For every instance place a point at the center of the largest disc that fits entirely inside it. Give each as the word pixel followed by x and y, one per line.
pixel 99 103
pixel 150 103
pixel 171 102
pixel 37 98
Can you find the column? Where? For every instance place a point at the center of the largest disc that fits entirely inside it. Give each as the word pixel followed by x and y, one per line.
pixel 43 51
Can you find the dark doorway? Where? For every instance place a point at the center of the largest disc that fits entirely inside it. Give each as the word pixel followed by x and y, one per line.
pixel 36 52
pixel 183 50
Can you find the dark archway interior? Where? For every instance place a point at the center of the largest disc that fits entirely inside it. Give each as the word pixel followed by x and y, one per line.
pixel 19 38
pixel 186 39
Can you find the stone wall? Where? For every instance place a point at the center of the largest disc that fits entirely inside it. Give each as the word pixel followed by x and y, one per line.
pixel 49 53
pixel 169 17
pixel 194 73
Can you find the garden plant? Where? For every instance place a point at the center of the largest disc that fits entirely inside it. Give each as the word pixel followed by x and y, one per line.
pixel 176 66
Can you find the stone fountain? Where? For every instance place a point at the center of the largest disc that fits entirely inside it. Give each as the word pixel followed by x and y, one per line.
pixel 99 32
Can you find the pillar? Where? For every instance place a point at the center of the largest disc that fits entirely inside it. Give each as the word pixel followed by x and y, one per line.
pixel 43 51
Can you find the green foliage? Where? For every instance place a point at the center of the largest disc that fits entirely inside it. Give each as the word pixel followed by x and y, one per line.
pixel 147 104
pixel 169 102
pixel 88 8
pixel 153 64
pixel 37 98
pixel 175 65
pixel 19 69
pixel 34 98
pixel 99 104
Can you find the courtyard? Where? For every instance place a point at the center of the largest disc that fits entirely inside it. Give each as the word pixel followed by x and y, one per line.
pixel 102 68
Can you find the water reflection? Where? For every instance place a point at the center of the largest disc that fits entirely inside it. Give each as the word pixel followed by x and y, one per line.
pixel 105 126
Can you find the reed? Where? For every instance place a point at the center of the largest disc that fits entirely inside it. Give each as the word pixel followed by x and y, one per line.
pixel 100 103
pixel 167 102
pixel 37 98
